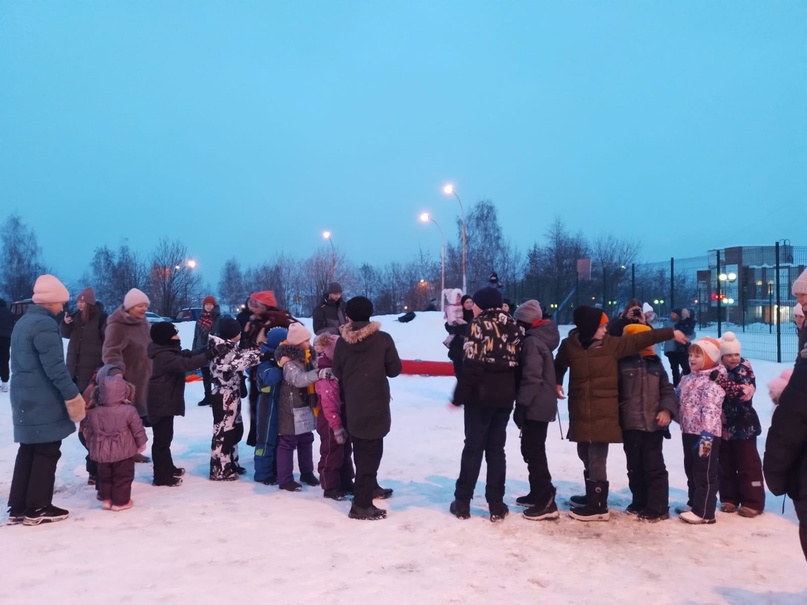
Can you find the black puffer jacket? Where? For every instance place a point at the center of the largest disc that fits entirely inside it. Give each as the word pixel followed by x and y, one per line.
pixel 536 373
pixel 785 460
pixel 644 390
pixel 166 396
pixel 329 315
pixel 363 360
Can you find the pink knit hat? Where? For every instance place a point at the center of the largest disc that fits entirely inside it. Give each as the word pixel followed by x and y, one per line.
pixel 800 285
pixel 133 298
pixel 49 289
pixel 298 334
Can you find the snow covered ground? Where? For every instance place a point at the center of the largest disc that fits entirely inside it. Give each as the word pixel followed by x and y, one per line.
pixel 239 542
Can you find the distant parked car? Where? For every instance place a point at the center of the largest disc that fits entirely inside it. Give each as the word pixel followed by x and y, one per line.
pixel 189 314
pixel 153 318
pixel 19 308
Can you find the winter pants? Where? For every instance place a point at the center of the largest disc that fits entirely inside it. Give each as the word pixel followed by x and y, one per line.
pixel 595 458
pixel 741 474
pixel 801 513
pixel 5 348
pixel 285 456
pixel 679 364
pixel 161 450
pixel 115 481
pixel 702 475
pixel 335 464
pixel 90 465
pixel 254 393
pixel 207 381
pixel 533 449
pixel 485 434
pixel 227 432
pixel 266 436
pixel 367 455
pixel 647 474
pixel 34 475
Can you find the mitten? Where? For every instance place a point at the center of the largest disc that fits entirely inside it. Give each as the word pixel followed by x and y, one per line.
pixel 519 415
pixel 75 408
pixel 341 435
pixel 325 374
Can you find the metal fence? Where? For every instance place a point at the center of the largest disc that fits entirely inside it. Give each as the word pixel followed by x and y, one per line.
pixel 745 289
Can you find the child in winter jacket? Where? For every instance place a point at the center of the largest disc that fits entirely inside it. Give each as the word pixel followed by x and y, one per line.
pixel 268 377
pixel 536 407
pixel 591 356
pixel 701 394
pixel 296 420
pixel 335 462
pixel 114 434
pixel 166 396
pixel 647 403
pixel 225 370
pixel 741 485
pixel 785 461
pixel 452 311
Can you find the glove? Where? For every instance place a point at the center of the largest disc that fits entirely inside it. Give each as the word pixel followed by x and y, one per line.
pixel 519 415
pixel 341 435
pixel 75 408
pixel 326 374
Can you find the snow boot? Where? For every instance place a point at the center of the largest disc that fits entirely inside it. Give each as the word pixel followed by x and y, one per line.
pixel 371 513
pixel 528 500
pixel 309 479
pixel 596 508
pixel 291 486
pixel 580 499
pixel 461 509
pixel 382 493
pixel 498 511
pixel 545 511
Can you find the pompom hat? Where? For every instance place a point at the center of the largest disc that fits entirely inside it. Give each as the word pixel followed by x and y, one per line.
pixel 729 344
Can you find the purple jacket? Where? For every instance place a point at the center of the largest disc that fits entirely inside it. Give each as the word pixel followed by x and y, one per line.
pixel 113 429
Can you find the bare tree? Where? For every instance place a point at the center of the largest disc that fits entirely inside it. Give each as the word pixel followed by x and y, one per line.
pixel 113 273
pixel 232 288
pixel 173 280
pixel 611 257
pixel 21 255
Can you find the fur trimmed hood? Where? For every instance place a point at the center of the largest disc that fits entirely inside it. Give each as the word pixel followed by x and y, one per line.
pixel 359 330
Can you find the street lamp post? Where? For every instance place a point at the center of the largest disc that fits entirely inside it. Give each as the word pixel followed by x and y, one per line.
pixel 730 278
pixel 425 218
pixel 328 236
pixel 450 190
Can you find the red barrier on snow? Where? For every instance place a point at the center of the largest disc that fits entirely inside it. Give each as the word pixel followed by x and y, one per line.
pixel 427 368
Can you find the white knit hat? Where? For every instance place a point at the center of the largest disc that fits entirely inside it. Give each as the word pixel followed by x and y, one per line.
pixel 729 344
pixel 48 289
pixel 646 308
pixel 298 334
pixel 133 298
pixel 800 285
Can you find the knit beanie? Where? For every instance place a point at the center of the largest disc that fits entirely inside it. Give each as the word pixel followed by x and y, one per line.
pixel 528 312
pixel 488 298
pixel 798 310
pixel 298 334
pixel 209 300
pixel 800 285
pixel 334 288
pixel 359 308
pixel 229 328
pixel 163 332
pixel 778 384
pixel 711 351
pixel 729 344
pixel 588 320
pixel 48 289
pixel 133 298
pixel 636 329
pixel 273 339
pixel 265 297
pixel 87 295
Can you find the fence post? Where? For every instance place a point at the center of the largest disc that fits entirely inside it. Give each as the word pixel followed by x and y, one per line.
pixel 719 300
pixel 672 283
pixel 778 310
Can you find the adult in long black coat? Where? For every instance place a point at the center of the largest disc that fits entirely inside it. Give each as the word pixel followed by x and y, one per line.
pixel 363 361
pixel 785 461
pixel 6 325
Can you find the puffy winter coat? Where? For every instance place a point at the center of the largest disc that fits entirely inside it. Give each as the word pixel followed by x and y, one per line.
pixel 126 346
pixel 40 382
pixel 785 459
pixel 363 360
pixel 329 315
pixel 536 374
pixel 85 346
pixel 644 390
pixel 492 352
pixel 740 419
pixel 113 430
pixel 594 384
pixel 166 395
pixel 226 368
pixel 296 390
pixel 700 396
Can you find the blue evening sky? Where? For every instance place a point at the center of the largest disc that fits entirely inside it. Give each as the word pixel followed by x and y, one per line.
pixel 247 128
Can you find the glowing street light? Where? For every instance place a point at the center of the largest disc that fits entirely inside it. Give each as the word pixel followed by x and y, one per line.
pixel 450 190
pixel 426 218
pixel 328 236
